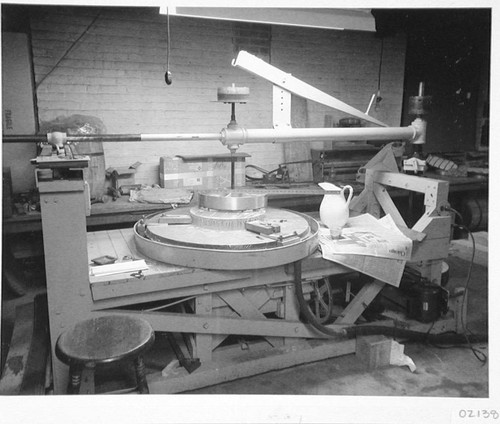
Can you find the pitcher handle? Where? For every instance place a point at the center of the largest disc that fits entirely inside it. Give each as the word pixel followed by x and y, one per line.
pixel 351 191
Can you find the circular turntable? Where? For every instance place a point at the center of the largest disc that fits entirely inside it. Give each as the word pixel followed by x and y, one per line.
pixel 227 230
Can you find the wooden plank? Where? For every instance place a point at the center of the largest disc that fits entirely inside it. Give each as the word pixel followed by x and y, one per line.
pixel 121 245
pixel 204 324
pixel 437 197
pixel 387 204
pixel 15 364
pixel 99 244
pixel 408 182
pixel 358 305
pixel 430 249
pixel 251 363
pixel 434 226
pixel 129 286
pixel 125 267
pixel 240 303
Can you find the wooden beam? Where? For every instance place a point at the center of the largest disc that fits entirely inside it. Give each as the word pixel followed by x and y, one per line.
pixel 360 302
pixel 387 204
pixel 246 309
pixel 206 324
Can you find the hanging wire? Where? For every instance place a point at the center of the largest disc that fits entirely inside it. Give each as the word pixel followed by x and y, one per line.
pixel 379 97
pixel 168 74
pixel 168 305
pixel 69 49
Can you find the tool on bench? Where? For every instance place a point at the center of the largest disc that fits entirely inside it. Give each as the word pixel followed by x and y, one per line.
pixel 190 364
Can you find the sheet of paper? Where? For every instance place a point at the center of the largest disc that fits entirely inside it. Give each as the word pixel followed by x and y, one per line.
pixel 375 247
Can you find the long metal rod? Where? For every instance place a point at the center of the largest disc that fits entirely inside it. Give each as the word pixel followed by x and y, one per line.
pixel 321 134
pixel 114 138
pixel 241 135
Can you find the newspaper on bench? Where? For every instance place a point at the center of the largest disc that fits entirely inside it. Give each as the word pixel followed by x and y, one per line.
pixel 375 247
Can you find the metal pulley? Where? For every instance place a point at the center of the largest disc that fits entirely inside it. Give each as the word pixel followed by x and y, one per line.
pixel 233 94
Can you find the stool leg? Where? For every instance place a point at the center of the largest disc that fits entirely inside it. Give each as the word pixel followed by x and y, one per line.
pixel 74 380
pixel 140 374
pixel 87 386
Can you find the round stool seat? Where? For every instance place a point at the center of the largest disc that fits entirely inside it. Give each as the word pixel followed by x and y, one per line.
pixel 104 339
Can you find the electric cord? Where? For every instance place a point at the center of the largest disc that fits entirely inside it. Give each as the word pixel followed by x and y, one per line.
pixel 367 329
pixel 481 356
pixel 448 338
pixel 304 307
pixel 69 49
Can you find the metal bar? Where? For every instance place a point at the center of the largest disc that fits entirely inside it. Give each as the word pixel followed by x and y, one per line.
pixel 181 137
pixel 24 138
pixel 326 134
pixel 113 138
pixel 239 136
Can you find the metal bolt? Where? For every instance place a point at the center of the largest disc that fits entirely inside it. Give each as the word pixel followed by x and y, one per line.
pixel 205 326
pixel 296 329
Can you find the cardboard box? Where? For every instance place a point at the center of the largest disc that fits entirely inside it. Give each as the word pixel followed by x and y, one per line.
pixel 202 172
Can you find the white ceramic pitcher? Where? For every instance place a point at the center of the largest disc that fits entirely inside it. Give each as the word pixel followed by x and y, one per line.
pixel 334 208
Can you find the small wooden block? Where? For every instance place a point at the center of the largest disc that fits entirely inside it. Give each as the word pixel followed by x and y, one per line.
pixel 373 351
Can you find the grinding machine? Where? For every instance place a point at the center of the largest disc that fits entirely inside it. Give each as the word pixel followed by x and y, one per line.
pixel 244 284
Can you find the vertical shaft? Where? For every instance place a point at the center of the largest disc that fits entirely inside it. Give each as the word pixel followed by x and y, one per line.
pixel 232 170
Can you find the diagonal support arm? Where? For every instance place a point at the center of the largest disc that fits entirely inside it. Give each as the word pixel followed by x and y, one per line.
pixel 292 84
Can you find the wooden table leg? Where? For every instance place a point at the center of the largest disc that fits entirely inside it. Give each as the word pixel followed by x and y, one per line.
pixel 203 342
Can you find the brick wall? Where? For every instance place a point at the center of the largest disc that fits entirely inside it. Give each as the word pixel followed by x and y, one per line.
pixel 116 73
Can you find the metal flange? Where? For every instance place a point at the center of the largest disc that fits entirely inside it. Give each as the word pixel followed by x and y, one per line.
pixel 225 200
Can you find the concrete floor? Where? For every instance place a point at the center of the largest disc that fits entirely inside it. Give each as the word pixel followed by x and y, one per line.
pixel 453 372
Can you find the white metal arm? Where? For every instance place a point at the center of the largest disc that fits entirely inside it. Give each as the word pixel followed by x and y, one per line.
pixel 292 84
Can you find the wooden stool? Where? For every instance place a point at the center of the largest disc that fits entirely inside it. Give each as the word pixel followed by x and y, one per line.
pixel 104 340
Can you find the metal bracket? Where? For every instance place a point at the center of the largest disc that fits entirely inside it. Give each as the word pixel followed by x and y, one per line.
pixel 282 108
